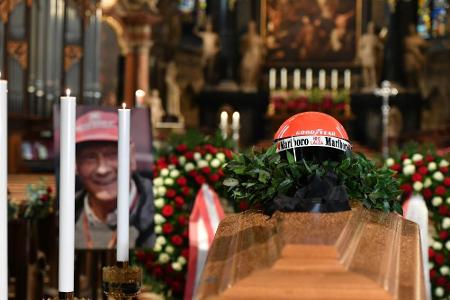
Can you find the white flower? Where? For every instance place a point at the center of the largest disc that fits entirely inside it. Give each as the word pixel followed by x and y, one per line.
pixel 220 156
pixel 158 229
pixel 444 270
pixel 159 203
pixel 448 200
pixel 443 163
pixel 158 181
pixel 417 157
pixel 177 266
pixel 438 176
pixel 427 182
pixel 169 249
pixel 157 248
pixel 202 163
pixel 208 157
pixel 182 160
pixel 418 186
pixel 162 191
pixel 432 166
pixel 407 161
pixel 155 191
pixel 174 173
pixel 159 219
pixel 169 181
pixel 181 260
pixel 439 292
pixel 171 167
pixel 215 163
pixel 163 258
pixel 390 161
pixel 164 172
pixel 409 169
pixel 430 265
pixel 446 223
pixel 160 240
pixel 437 245
pixel 447 245
pixel 189 167
pixel 197 156
pixel 436 201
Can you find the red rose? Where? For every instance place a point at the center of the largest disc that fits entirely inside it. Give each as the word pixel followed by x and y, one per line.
pixel 206 170
pixel 182 181
pixel 173 160
pixel 181 148
pixel 427 193
pixel 177 240
pixel 185 233
pixel 179 201
pixel 49 190
pixel 417 177
pixel 423 170
pixel 443 210
pixel 214 178
pixel 140 255
pixel 167 210
pixel 404 156
pixel 161 163
pixel 439 259
pixel 419 163
pixel 167 228
pixel 44 198
pixel 430 252
pixel 443 235
pixel 429 158
pixel 157 271
pixel 192 173
pixel 228 153
pixel 220 172
pixel 186 191
pixel 189 155
pixel 439 190
pixel 447 181
pixel 176 286
pixel 444 170
pixel 200 179
pixel 441 281
pixel 243 205
pixel 185 253
pixel 396 167
pixel 171 193
pixel 182 220
pixel 406 188
pixel 433 273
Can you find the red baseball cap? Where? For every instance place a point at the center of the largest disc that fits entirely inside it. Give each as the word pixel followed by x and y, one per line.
pixel 97 125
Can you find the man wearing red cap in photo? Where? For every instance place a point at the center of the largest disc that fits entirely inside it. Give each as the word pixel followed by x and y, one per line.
pixel 96 204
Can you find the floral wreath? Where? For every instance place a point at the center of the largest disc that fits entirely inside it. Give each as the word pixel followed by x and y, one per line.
pixel 177 178
pixel 423 172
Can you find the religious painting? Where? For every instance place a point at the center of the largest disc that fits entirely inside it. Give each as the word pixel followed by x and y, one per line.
pixel 96 163
pixel 311 32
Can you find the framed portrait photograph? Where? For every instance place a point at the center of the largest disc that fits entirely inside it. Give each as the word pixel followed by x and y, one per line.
pixel 311 32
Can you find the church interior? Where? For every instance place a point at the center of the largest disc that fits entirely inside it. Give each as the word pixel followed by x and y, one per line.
pixel 210 101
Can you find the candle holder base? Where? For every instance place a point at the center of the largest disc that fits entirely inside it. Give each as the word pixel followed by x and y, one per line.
pixel 122 280
pixel 66 296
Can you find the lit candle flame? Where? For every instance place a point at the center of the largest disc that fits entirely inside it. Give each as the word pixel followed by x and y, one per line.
pixel 67 92
pixel 124 105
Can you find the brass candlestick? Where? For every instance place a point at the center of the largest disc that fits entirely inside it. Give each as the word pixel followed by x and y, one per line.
pixel 67 296
pixel 122 281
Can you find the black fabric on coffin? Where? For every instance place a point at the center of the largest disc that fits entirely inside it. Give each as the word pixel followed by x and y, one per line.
pixel 318 195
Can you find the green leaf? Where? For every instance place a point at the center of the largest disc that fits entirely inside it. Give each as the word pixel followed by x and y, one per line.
pixel 230 182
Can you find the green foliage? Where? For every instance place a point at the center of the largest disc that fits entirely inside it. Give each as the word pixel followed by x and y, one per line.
pixel 260 177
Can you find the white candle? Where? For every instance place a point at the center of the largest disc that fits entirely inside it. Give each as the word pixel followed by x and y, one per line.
pixel 123 185
pixel 309 79
pixel 236 118
pixel 334 79
pixel 347 79
pixel 67 194
pixel 297 79
pixel 283 75
pixel 322 79
pixel 272 79
pixel 3 189
pixel 139 98
pixel 224 124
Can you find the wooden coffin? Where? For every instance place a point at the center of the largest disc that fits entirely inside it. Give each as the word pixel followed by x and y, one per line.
pixel 358 254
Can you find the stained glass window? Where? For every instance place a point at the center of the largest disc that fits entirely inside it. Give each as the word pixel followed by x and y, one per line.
pixel 432 18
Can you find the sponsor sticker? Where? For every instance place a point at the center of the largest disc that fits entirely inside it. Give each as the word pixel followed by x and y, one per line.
pixel 313 141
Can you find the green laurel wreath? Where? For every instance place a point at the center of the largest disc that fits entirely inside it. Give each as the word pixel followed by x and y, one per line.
pixel 258 177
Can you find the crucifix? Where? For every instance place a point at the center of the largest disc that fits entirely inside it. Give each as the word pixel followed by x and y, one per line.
pixel 385 91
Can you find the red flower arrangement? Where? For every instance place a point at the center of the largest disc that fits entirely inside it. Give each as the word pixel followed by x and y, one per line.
pixel 177 178
pixel 421 171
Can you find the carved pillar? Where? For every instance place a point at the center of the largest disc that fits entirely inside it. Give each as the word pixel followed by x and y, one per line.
pixel 138 27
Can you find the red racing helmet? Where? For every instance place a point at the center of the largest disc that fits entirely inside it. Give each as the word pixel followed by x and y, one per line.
pixel 313 136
